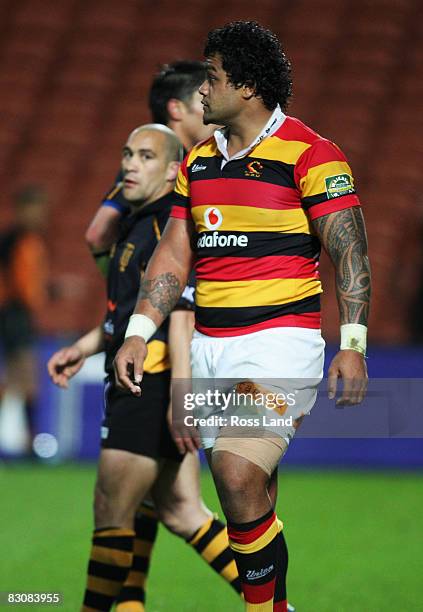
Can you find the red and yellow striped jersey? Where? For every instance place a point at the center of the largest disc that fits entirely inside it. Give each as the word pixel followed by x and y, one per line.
pixel 257 256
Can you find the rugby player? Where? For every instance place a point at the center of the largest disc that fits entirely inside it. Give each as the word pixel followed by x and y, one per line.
pixel 174 100
pixel 281 190
pixel 138 453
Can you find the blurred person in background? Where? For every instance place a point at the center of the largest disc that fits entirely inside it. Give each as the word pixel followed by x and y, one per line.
pixel 173 101
pixel 138 452
pixel 23 295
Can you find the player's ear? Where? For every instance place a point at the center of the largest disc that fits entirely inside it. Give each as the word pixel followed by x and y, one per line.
pixel 248 91
pixel 172 171
pixel 175 109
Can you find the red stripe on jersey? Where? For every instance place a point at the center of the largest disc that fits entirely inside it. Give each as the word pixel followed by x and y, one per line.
pixel 294 129
pixel 310 320
pixel 256 268
pixel 321 152
pixel 180 213
pixel 246 537
pixel 259 593
pixel 242 192
pixel 333 205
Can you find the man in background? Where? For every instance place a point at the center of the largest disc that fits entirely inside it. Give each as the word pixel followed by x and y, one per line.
pixel 138 453
pixel 23 294
pixel 173 101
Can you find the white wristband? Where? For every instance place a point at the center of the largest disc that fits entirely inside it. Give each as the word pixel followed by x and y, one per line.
pixel 140 325
pixel 354 337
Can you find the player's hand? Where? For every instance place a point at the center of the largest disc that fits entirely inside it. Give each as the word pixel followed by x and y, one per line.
pixel 64 364
pixel 351 367
pixel 129 364
pixel 186 438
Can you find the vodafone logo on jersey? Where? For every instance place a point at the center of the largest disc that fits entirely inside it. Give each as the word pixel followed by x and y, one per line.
pixel 213 218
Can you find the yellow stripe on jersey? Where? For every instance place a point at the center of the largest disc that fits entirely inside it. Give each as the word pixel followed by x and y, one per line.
pixel 235 294
pixel 314 181
pixel 275 149
pixel 156 229
pixel 207 149
pixel 114 191
pixel 251 219
pixel 157 358
pixel 182 185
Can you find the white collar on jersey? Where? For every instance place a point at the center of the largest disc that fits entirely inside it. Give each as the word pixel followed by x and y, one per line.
pixel 274 123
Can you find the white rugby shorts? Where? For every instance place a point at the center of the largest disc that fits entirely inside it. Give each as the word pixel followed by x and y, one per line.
pixel 285 365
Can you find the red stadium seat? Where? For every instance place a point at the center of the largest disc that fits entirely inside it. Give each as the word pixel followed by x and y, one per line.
pixel 43 12
pixel 75 75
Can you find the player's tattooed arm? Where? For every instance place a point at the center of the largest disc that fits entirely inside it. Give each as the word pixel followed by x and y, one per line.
pixel 343 235
pixel 162 292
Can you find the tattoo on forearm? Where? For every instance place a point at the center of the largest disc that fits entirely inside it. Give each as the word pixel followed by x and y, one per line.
pixel 162 292
pixel 343 236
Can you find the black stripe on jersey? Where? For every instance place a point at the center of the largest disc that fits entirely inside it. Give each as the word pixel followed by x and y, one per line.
pixel 106 571
pixel 307 203
pixel 179 200
pixel 250 315
pixel 261 244
pixel 268 171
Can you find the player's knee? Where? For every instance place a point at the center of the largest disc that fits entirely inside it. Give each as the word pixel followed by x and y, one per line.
pixel 236 478
pixel 111 510
pixel 233 483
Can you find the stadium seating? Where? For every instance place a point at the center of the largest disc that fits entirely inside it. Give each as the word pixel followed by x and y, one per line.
pixel 74 77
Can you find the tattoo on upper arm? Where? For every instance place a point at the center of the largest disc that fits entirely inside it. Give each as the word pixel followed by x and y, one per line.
pixel 162 292
pixel 343 236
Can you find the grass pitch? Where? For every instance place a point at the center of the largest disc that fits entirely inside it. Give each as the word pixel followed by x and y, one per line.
pixel 355 542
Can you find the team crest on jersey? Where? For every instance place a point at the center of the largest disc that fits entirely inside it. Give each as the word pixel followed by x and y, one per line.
pixel 126 256
pixel 339 185
pixel 254 169
pixel 213 218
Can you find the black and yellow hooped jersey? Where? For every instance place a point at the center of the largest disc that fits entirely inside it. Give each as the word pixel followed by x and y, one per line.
pixel 257 257
pixel 139 237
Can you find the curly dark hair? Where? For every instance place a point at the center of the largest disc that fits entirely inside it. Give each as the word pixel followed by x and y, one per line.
pixel 252 55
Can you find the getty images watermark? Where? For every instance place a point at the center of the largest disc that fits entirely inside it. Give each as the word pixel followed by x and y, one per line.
pixel 269 406
pixel 391 408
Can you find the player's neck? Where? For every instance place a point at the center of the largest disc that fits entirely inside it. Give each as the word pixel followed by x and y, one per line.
pixel 185 140
pixel 159 194
pixel 245 128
